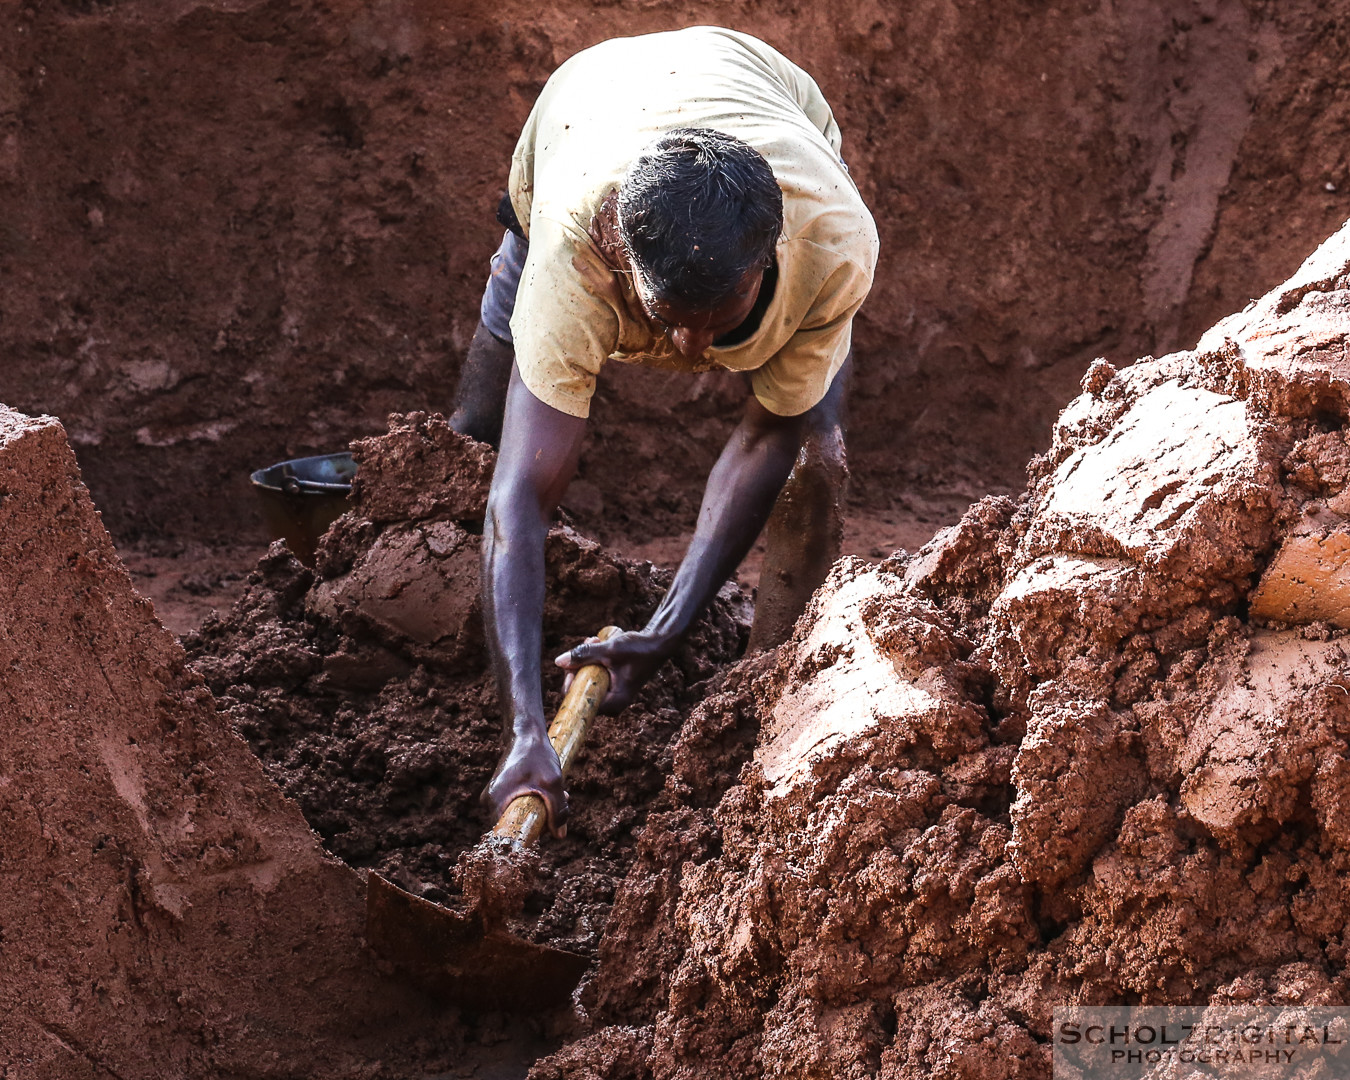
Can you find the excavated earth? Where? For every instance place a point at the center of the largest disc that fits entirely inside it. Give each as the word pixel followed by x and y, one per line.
pixel 1085 747
pixel 1088 745
pixel 364 686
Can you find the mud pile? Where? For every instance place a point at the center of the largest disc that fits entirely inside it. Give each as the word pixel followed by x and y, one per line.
pixel 1089 747
pixel 363 685
pixel 163 909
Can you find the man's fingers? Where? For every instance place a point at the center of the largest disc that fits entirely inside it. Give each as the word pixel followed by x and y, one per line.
pixel 579 656
pixel 556 803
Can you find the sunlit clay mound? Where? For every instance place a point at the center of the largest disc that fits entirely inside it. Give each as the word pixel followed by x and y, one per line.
pixel 1087 747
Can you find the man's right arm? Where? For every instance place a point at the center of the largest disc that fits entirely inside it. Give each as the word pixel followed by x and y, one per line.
pixel 539 450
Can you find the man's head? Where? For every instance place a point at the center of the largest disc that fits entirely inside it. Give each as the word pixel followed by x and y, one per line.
pixel 700 213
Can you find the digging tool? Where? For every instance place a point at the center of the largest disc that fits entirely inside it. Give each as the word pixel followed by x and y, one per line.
pixel 471 958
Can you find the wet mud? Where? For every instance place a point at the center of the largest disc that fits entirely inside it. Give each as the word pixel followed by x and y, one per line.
pixel 1088 745
pixel 363 686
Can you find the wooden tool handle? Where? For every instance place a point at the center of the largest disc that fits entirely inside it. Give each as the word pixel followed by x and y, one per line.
pixel 524 819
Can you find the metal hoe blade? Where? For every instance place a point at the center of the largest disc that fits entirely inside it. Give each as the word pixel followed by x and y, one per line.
pixel 458 956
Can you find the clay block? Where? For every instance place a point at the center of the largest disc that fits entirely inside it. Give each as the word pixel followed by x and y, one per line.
pixel 870 674
pixel 1060 608
pixel 854 691
pixel 1074 775
pixel 1162 474
pixel 1247 759
pixel 416 585
pixel 1308 580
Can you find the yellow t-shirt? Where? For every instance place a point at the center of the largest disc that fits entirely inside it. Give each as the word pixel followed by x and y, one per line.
pixel 596 114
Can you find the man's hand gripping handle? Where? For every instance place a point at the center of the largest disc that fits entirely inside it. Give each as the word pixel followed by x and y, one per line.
pixel 527 813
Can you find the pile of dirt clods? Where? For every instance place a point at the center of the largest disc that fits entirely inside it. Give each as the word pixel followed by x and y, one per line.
pixel 363 685
pixel 1089 747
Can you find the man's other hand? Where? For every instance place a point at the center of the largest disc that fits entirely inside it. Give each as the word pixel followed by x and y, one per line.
pixel 631 658
pixel 529 766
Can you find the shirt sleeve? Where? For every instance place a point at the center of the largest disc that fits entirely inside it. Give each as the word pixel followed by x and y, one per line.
pixel 803 89
pixel 799 375
pixel 566 322
pixel 807 94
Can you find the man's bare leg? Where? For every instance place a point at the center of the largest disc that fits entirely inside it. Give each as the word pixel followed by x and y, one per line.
pixel 480 400
pixel 805 533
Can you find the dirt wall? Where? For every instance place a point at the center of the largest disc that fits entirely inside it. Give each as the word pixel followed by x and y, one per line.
pixel 164 909
pixel 239 230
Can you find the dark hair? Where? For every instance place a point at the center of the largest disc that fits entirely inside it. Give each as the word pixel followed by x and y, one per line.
pixel 697 210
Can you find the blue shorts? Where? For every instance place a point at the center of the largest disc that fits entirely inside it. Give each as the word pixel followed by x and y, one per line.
pixel 499 298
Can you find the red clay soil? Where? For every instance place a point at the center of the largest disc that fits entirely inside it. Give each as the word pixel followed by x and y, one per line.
pixel 1086 746
pixel 165 910
pixel 241 230
pixel 1089 747
pixel 188 580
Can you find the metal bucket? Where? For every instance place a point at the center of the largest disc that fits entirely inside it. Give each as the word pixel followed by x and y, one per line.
pixel 302 497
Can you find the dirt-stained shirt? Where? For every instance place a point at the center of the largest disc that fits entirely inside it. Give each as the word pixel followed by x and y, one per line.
pixel 596 114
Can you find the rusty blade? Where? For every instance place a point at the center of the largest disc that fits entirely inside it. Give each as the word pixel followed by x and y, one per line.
pixel 456 957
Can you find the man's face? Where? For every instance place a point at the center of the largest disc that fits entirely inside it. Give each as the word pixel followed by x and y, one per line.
pixel 692 330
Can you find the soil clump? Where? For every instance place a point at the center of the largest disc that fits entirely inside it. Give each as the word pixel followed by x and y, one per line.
pixel 363 686
pixel 1057 756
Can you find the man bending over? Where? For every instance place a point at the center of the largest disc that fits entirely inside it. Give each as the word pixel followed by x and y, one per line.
pixel 676 200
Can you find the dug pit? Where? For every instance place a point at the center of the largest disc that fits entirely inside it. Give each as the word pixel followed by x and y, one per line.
pixel 363 686
pixel 1065 753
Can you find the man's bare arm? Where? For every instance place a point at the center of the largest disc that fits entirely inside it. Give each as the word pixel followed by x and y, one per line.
pixel 740 494
pixel 539 450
